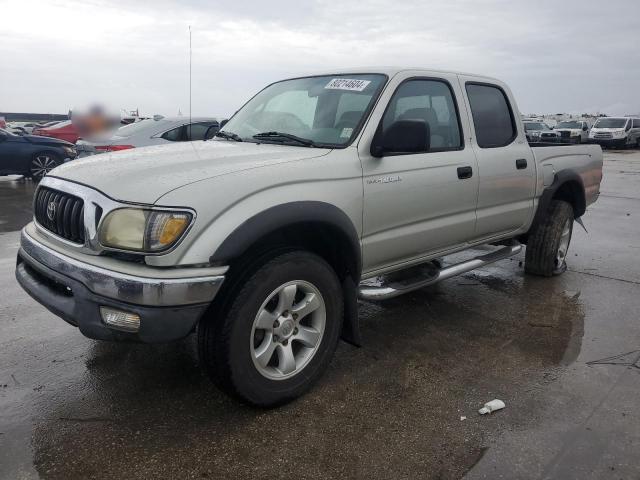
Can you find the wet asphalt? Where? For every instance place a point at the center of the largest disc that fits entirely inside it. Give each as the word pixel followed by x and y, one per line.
pixel 562 353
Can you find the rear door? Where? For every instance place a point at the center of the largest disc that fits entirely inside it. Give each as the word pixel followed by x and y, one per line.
pixel 418 203
pixel 506 166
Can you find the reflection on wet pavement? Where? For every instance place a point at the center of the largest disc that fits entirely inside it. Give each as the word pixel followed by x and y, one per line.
pixel 430 357
pixel 16 195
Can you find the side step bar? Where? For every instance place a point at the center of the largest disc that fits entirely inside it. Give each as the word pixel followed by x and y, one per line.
pixel 396 288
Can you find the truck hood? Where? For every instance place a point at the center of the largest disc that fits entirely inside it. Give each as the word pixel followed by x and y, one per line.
pixel 142 175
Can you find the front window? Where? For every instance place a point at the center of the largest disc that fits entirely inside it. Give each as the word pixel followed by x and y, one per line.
pixel 610 123
pixel 572 125
pixel 314 111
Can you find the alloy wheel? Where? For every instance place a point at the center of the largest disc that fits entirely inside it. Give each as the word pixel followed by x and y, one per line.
pixel 41 165
pixel 288 330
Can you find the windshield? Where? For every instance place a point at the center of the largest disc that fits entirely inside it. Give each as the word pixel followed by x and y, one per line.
pixel 327 111
pixel 569 125
pixel 534 126
pixel 610 123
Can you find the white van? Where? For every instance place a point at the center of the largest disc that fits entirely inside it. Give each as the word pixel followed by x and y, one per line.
pixel 617 132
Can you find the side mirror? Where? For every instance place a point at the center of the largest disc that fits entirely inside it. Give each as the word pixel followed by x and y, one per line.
pixel 402 136
pixel 584 128
pixel 223 122
pixel 211 132
pixel 628 127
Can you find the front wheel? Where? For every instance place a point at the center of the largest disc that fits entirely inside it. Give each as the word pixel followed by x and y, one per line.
pixel 41 164
pixel 548 243
pixel 279 331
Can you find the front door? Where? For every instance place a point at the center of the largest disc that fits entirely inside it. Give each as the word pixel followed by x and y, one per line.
pixel 421 202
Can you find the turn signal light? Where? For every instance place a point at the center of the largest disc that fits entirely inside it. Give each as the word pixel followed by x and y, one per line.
pixel 120 320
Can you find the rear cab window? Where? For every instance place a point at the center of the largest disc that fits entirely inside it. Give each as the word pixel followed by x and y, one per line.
pixel 493 118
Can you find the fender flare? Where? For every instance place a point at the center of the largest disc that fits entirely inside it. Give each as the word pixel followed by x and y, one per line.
pixel 279 216
pixel 560 178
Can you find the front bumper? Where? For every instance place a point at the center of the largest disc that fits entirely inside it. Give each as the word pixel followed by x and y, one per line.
pixel 609 142
pixel 169 308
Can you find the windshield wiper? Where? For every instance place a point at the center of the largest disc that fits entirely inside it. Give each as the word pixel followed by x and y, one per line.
pixel 286 136
pixel 228 135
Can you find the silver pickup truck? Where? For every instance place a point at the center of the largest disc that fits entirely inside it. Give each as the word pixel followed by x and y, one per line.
pixel 320 190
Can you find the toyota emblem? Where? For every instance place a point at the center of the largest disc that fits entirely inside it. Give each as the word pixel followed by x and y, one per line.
pixel 51 210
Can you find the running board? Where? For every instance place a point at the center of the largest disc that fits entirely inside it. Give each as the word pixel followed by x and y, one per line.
pixel 429 276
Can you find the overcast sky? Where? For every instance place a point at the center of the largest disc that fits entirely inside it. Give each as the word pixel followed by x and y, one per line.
pixel 557 56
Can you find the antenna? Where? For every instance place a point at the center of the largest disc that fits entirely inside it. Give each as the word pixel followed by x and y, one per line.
pixel 190 56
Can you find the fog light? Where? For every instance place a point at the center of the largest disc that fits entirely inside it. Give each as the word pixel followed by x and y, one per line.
pixel 129 322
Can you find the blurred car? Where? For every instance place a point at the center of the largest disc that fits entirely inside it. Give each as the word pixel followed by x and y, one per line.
pixel 49 124
pixel 153 131
pixel 64 131
pixel 17 130
pixel 540 132
pixel 26 126
pixel 3 122
pixel 31 155
pixel 576 131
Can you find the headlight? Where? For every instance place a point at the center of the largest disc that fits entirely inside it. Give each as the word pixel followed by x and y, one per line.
pixel 142 230
pixel 619 133
pixel 69 150
pixel 575 133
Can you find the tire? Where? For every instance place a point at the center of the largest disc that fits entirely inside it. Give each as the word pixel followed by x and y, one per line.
pixel 42 163
pixel 549 242
pixel 259 349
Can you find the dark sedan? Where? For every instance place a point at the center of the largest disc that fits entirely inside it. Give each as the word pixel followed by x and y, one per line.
pixel 31 155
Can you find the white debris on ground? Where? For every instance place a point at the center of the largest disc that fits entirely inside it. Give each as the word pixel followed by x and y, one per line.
pixel 492 406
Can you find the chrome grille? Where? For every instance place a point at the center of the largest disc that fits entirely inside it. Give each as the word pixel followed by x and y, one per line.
pixel 60 213
pixel 603 135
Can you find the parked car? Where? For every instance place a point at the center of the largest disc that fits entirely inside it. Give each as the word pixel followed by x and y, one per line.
pixel 574 131
pixel 17 130
pixel 540 132
pixel 26 126
pixel 63 131
pixel 616 132
pixel 32 155
pixel 312 194
pixel 153 131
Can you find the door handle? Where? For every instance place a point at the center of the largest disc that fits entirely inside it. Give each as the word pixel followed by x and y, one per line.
pixel 521 163
pixel 465 172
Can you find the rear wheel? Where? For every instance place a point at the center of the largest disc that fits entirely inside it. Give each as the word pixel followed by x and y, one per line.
pixel 43 163
pixel 278 333
pixel 548 243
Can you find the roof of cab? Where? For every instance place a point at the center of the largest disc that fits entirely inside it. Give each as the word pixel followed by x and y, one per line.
pixel 390 71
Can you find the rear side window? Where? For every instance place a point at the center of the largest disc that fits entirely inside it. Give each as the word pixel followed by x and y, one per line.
pixel 636 123
pixel 196 131
pixel 175 135
pixel 492 116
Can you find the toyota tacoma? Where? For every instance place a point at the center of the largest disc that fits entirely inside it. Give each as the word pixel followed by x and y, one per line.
pixel 320 191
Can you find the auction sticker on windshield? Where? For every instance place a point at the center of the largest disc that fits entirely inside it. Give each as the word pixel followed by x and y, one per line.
pixel 347 84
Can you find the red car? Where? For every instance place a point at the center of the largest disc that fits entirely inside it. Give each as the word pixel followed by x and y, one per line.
pixel 63 130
